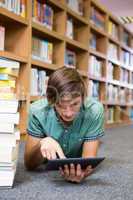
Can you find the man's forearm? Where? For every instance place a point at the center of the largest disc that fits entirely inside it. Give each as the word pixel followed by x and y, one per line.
pixel 33 158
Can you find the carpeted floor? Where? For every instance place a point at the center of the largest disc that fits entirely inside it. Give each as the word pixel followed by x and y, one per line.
pixel 113 179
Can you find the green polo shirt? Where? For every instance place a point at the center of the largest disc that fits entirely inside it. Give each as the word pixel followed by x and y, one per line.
pixel 88 125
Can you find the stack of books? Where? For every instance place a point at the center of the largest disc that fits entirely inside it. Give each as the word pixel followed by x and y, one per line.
pixel 42 50
pixel 76 5
pixel 9 119
pixel 16 6
pixel 97 18
pixel 70 58
pixel 42 13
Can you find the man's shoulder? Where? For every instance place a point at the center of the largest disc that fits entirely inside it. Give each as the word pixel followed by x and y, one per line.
pixel 39 105
pixel 93 106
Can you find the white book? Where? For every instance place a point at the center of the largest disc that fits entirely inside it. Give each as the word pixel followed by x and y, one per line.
pixel 7 177
pixel 8 165
pixel 7 127
pixel 34 82
pixel 7 139
pixel 9 118
pixel 8 106
pixel 9 63
pixel 9 154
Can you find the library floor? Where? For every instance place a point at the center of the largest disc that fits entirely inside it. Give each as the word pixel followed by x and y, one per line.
pixel 113 179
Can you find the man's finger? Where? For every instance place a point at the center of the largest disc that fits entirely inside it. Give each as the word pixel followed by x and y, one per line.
pixel 66 171
pixel 53 154
pixel 48 154
pixel 60 153
pixel 88 171
pixel 78 170
pixel 72 170
pixel 43 153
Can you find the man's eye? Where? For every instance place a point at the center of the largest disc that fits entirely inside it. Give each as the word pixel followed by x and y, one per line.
pixel 75 104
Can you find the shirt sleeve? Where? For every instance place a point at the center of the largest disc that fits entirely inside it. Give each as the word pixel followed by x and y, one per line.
pixel 95 121
pixel 34 126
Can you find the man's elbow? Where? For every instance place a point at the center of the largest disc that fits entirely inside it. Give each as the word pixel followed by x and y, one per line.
pixel 28 164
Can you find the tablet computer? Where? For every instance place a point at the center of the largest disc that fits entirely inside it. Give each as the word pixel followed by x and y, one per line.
pixel 84 162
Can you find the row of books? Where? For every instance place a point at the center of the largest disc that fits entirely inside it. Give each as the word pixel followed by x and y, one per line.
pixel 111 71
pixel 110 115
pixel 42 50
pixel 70 58
pixel 76 5
pixel 114 114
pixel 16 6
pixel 112 51
pixel 9 71
pixel 118 114
pixel 113 29
pixel 70 28
pixel 124 75
pixel 95 66
pixel 114 94
pixel 97 18
pixel 125 57
pixel 93 89
pixel 125 38
pixel 42 13
pixel 131 113
pixel 9 119
pixel 38 83
pixel 121 75
pixel 118 94
pixel 2 38
pixel 93 41
pixel 131 78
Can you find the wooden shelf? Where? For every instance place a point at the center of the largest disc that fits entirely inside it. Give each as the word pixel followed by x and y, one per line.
pixel 118 124
pixel 75 44
pixel 35 98
pixel 12 56
pixel 57 4
pixel 43 31
pixel 113 82
pixel 115 62
pixel 83 73
pixel 96 53
pixel 97 30
pixel 8 17
pixel 101 79
pixel 44 65
pixel 113 40
pixel 125 47
pixel 81 19
pixel 127 67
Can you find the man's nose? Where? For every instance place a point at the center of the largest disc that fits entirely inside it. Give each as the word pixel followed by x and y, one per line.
pixel 68 112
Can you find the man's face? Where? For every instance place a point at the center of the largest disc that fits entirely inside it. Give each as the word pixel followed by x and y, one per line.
pixel 68 108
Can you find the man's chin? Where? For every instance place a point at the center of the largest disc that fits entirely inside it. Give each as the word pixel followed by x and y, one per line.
pixel 68 120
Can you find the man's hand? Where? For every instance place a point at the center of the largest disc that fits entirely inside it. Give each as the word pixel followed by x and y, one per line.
pixel 50 148
pixel 75 174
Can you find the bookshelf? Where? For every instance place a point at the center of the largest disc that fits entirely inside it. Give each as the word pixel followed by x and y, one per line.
pixel 99 45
